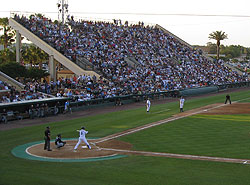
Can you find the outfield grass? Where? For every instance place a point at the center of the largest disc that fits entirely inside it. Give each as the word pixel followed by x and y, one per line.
pixel 222 136
pixel 198 135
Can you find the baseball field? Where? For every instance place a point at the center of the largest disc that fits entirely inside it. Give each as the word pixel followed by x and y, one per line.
pixel 209 143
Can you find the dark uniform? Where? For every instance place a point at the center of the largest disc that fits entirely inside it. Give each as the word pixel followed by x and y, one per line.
pixel 58 142
pixel 47 139
pixel 228 99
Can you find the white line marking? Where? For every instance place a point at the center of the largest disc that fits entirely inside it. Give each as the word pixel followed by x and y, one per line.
pixel 68 158
pixel 157 123
pixel 36 155
pixel 244 161
pixel 31 147
pixel 164 121
pixel 241 100
pixel 27 149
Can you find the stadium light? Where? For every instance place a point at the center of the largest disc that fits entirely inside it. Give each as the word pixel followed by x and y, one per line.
pixel 62 6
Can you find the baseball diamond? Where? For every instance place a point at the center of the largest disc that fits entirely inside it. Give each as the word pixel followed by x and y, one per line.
pixel 110 93
pixel 207 142
pixel 108 146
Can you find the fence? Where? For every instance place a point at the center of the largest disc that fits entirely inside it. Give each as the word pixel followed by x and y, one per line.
pixel 22 107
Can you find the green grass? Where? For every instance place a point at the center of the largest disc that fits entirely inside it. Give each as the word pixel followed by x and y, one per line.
pixel 218 136
pixel 224 136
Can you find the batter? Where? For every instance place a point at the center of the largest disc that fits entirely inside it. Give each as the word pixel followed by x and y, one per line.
pixel 82 138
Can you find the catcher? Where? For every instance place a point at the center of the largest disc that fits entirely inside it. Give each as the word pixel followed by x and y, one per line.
pixel 58 142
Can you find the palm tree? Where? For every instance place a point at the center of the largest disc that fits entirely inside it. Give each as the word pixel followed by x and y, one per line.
pixel 34 55
pixel 7 55
pixel 8 33
pixel 218 36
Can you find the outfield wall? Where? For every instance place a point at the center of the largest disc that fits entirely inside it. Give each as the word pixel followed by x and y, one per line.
pixel 199 91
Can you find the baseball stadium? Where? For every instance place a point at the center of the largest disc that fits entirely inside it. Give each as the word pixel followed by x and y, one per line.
pixel 146 107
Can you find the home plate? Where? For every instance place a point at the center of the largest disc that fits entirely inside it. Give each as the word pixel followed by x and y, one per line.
pixel 84 147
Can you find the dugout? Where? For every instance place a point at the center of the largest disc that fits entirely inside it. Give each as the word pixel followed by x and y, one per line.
pixel 22 107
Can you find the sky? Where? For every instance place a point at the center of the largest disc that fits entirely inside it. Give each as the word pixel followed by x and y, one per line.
pixel 191 20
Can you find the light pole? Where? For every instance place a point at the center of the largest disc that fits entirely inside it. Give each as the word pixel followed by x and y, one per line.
pixel 62 6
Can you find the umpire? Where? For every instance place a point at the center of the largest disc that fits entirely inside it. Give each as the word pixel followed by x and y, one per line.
pixel 47 139
pixel 228 99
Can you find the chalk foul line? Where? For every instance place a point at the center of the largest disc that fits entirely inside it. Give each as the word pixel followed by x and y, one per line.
pixel 182 156
pixel 155 124
pixel 193 157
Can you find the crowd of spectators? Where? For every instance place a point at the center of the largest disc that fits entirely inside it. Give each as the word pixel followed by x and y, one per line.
pixel 9 93
pixel 164 62
pixel 83 87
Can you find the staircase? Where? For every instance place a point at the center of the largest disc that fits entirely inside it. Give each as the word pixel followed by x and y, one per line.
pixel 233 68
pixel 182 41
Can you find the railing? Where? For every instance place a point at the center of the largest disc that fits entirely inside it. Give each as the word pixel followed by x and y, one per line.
pixel 12 81
pixel 120 100
pixel 176 37
pixel 158 95
pixel 22 107
pixel 84 63
pixel 233 85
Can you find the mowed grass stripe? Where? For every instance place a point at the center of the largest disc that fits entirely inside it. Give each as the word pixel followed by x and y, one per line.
pixel 196 136
pixel 244 118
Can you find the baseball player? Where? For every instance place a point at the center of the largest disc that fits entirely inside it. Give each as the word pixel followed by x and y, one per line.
pixel 82 137
pixel 58 142
pixel 67 107
pixel 182 100
pixel 148 103
pixel 47 139
pixel 228 99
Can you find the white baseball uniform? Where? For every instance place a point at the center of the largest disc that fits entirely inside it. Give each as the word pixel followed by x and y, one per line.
pixel 182 100
pixel 82 137
pixel 148 105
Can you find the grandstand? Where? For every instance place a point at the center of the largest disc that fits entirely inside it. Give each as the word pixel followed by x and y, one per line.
pixel 54 54
pixel 114 61
pixel 118 59
pixel 133 57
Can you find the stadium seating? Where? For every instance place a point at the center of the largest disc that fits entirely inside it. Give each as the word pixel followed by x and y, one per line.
pixel 162 62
